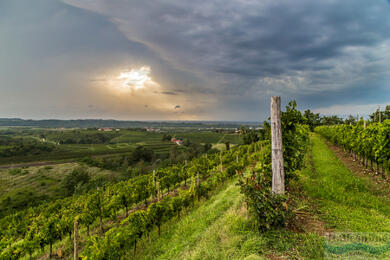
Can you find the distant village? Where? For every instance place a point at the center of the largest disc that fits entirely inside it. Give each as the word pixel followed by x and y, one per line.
pixel 177 141
pixel 106 129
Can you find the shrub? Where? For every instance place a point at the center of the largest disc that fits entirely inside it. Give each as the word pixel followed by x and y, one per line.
pixel 270 210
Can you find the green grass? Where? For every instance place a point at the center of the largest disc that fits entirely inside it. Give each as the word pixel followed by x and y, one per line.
pixel 347 202
pixel 40 183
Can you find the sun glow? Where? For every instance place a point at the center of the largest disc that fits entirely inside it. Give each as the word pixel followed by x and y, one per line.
pixel 136 79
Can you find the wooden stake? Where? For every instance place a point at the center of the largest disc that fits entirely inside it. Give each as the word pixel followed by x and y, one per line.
pixel 236 158
pixel 76 240
pixel 277 147
pixel 158 191
pixel 154 182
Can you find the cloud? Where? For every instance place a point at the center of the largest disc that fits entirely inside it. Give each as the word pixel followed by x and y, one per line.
pixel 219 59
pixel 259 48
pixel 169 93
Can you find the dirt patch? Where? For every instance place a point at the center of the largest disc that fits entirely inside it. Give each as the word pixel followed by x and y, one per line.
pixel 307 219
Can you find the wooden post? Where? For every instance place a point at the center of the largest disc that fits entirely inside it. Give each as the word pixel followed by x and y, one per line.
pixel 158 191
pixel 76 240
pixel 364 125
pixel 236 158
pixel 277 148
pixel 154 181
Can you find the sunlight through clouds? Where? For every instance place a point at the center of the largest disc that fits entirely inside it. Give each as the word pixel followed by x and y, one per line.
pixel 136 79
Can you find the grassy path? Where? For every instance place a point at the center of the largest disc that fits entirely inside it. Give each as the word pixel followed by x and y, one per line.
pixel 347 202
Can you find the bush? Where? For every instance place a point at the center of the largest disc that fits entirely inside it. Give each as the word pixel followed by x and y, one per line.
pixel 75 179
pixel 270 210
pixel 17 171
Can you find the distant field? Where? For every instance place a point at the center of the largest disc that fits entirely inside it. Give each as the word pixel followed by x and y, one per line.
pixel 70 144
pixel 210 137
pixel 41 183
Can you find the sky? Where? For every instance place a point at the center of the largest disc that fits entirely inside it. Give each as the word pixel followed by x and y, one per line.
pixel 192 60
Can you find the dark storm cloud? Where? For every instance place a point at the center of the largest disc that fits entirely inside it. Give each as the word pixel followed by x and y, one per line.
pixel 233 42
pixel 231 54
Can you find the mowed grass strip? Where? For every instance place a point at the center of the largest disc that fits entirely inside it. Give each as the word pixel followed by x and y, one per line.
pixel 347 202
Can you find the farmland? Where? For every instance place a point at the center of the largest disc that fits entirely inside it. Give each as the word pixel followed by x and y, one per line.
pixel 32 175
pixel 70 144
pixel 30 186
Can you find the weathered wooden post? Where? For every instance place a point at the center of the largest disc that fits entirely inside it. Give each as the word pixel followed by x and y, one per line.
pixel 76 240
pixel 236 158
pixel 277 148
pixel 158 191
pixel 154 182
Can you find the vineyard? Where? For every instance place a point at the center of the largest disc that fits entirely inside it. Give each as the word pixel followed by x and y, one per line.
pixel 117 220
pixel 26 232
pixel 369 143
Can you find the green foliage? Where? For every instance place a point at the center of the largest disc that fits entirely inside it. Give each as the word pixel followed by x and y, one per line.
pixel 249 135
pixel 75 180
pixel 24 148
pixel 17 171
pixel 295 138
pixel 166 137
pixel 227 144
pixel 372 143
pixel 312 119
pixel 380 115
pixel 269 209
